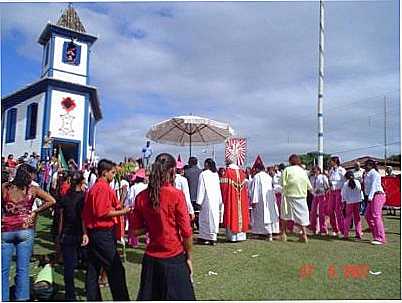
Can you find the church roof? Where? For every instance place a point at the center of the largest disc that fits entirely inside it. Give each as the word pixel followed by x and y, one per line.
pixel 69 19
pixel 68 26
pixel 41 86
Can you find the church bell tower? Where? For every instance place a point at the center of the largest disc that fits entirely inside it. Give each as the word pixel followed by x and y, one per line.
pixel 66 49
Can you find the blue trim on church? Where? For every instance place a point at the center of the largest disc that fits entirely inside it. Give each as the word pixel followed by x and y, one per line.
pixel 71 73
pixel 51 60
pixel 88 55
pixel 64 32
pixel 49 66
pixel 46 117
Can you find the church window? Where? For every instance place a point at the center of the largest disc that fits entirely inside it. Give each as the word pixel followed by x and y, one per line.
pixel 47 54
pixel 32 120
pixel 71 53
pixel 11 125
pixel 91 130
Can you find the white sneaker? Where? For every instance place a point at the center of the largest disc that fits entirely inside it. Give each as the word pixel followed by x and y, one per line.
pixel 375 242
pixel 334 234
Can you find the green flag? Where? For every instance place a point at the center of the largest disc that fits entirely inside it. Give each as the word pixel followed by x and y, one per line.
pixel 62 161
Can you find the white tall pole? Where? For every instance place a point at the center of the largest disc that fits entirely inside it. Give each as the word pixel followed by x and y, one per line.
pixel 385 130
pixel 320 111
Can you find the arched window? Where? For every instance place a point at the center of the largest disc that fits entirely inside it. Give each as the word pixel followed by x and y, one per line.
pixel 32 121
pixel 11 125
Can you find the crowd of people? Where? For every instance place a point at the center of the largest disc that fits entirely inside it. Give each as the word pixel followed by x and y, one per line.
pixel 165 203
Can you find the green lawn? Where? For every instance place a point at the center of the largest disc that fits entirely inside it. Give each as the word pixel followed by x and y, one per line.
pixel 260 270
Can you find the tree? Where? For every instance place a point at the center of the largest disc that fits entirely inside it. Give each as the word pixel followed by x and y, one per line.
pixel 396 158
pixel 310 159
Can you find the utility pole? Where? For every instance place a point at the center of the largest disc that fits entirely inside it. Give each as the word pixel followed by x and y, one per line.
pixel 320 112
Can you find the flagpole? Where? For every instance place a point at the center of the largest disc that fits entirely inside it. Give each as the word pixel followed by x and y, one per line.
pixel 320 112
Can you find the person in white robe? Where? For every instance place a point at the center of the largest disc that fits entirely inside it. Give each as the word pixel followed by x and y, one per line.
pixel 182 184
pixel 265 212
pixel 91 180
pixel 209 197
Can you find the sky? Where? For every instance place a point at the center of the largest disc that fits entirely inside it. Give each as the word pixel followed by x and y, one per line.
pixel 253 65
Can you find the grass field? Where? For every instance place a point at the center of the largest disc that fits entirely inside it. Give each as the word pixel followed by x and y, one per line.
pixel 260 270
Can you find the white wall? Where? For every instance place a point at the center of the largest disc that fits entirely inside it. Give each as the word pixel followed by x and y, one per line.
pixel 21 145
pixel 66 125
pixel 81 69
pixel 69 77
pixel 89 150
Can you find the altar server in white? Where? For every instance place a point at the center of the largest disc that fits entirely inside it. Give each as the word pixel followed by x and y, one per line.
pixel 265 210
pixel 209 197
pixel 182 184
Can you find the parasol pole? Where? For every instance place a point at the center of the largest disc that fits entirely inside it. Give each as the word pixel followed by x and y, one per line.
pixel 190 145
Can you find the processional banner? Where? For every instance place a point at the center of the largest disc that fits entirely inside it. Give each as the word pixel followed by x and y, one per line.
pixel 236 149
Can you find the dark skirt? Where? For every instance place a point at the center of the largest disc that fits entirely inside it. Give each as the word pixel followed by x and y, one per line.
pixel 165 279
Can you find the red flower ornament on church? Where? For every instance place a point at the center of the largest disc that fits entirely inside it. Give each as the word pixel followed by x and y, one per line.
pixel 68 104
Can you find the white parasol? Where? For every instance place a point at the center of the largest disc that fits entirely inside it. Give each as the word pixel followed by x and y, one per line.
pixel 190 130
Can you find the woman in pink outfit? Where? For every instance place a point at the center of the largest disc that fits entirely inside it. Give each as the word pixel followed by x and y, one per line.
pixel 139 180
pixel 376 199
pixel 336 179
pixel 351 197
pixel 320 188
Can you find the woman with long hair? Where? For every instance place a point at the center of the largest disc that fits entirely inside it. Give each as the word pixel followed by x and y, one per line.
pixel 209 198
pixel 17 229
pixel 375 199
pixel 161 211
pixel 72 233
pixel 352 196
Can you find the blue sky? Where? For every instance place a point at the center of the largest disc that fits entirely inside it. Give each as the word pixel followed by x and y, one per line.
pixel 253 65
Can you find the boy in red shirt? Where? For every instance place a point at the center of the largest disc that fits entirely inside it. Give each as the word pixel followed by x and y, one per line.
pixel 100 213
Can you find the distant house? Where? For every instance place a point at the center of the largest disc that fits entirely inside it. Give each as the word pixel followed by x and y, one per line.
pixel 396 166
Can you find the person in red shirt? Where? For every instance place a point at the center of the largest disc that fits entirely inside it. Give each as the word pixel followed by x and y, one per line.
pixel 161 211
pixel 11 163
pixel 100 213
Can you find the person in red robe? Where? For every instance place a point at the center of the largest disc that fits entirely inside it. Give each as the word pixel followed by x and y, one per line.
pixel 236 203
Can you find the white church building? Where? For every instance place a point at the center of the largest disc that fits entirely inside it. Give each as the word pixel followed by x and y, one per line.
pixel 61 101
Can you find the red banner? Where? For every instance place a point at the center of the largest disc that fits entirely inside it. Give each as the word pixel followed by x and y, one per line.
pixel 392 188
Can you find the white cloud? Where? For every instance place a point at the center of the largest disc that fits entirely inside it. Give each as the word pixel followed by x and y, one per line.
pixel 251 64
